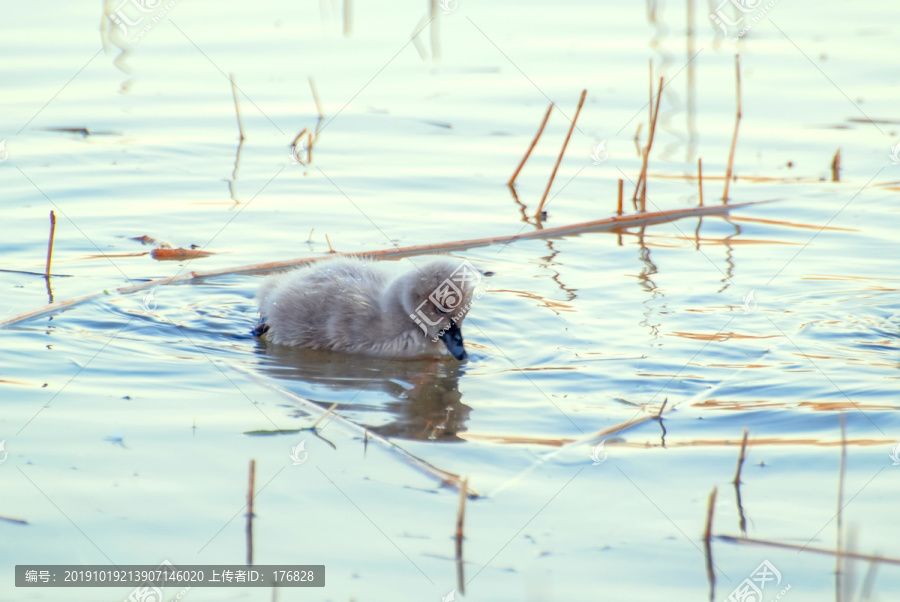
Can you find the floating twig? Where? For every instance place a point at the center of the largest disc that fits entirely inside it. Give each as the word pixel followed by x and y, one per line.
pixel 50 244
pixel 537 214
pixel 312 87
pixel 836 167
pixel 737 122
pixel 601 225
pixel 812 550
pixel 534 142
pixel 250 489
pixel 330 248
pixel 237 108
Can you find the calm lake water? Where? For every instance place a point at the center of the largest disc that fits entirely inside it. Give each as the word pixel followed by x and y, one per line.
pixel 128 422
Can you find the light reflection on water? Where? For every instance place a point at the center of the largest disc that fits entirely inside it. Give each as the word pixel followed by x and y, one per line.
pixel 576 335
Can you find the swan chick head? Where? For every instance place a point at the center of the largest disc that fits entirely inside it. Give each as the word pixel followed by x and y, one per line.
pixel 437 296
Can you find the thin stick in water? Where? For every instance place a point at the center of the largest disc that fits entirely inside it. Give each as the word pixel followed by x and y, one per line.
pixel 334 405
pixel 700 178
pixel 460 516
pixel 309 145
pixel 836 167
pixel 297 138
pixel 330 248
pixel 706 539
pixel 642 179
pixel 312 87
pixel 250 490
pixel 237 109
pixel 537 214
pixel 840 503
pixel 621 185
pixel 50 244
pixel 737 122
pixel 347 13
pixel 534 142
pixel 740 463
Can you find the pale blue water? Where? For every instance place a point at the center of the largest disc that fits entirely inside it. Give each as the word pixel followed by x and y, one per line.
pixel 129 432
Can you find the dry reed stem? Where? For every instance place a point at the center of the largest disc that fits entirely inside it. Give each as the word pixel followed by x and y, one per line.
pixel 330 248
pixel 619 206
pixel 323 416
pixel 642 179
pixel 460 516
pixel 50 244
pixel 700 178
pixel 798 549
pixel 737 123
pixel 601 225
pixel 237 109
pixel 250 489
pixel 347 12
pixel 740 464
pixel 534 142
pixel 435 32
pixel 309 149
pixel 836 167
pixel 297 139
pixel 537 214
pixel 312 87
pixel 707 536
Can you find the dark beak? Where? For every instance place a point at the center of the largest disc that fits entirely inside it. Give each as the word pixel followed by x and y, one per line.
pixel 452 338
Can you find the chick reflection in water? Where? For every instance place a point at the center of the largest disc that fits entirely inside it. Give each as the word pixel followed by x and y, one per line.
pixel 413 399
pixel 355 306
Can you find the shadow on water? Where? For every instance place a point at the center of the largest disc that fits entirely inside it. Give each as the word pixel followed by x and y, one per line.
pixel 420 397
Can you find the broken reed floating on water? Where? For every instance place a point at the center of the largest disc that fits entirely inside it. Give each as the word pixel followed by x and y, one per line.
pixel 798 549
pixel 237 109
pixel 534 142
pixel 737 123
pixel 601 225
pixel 50 244
pixel 537 214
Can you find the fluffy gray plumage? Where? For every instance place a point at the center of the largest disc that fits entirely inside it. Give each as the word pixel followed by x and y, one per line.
pixel 357 306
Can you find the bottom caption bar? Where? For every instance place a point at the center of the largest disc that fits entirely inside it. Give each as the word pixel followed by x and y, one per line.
pixel 169 575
